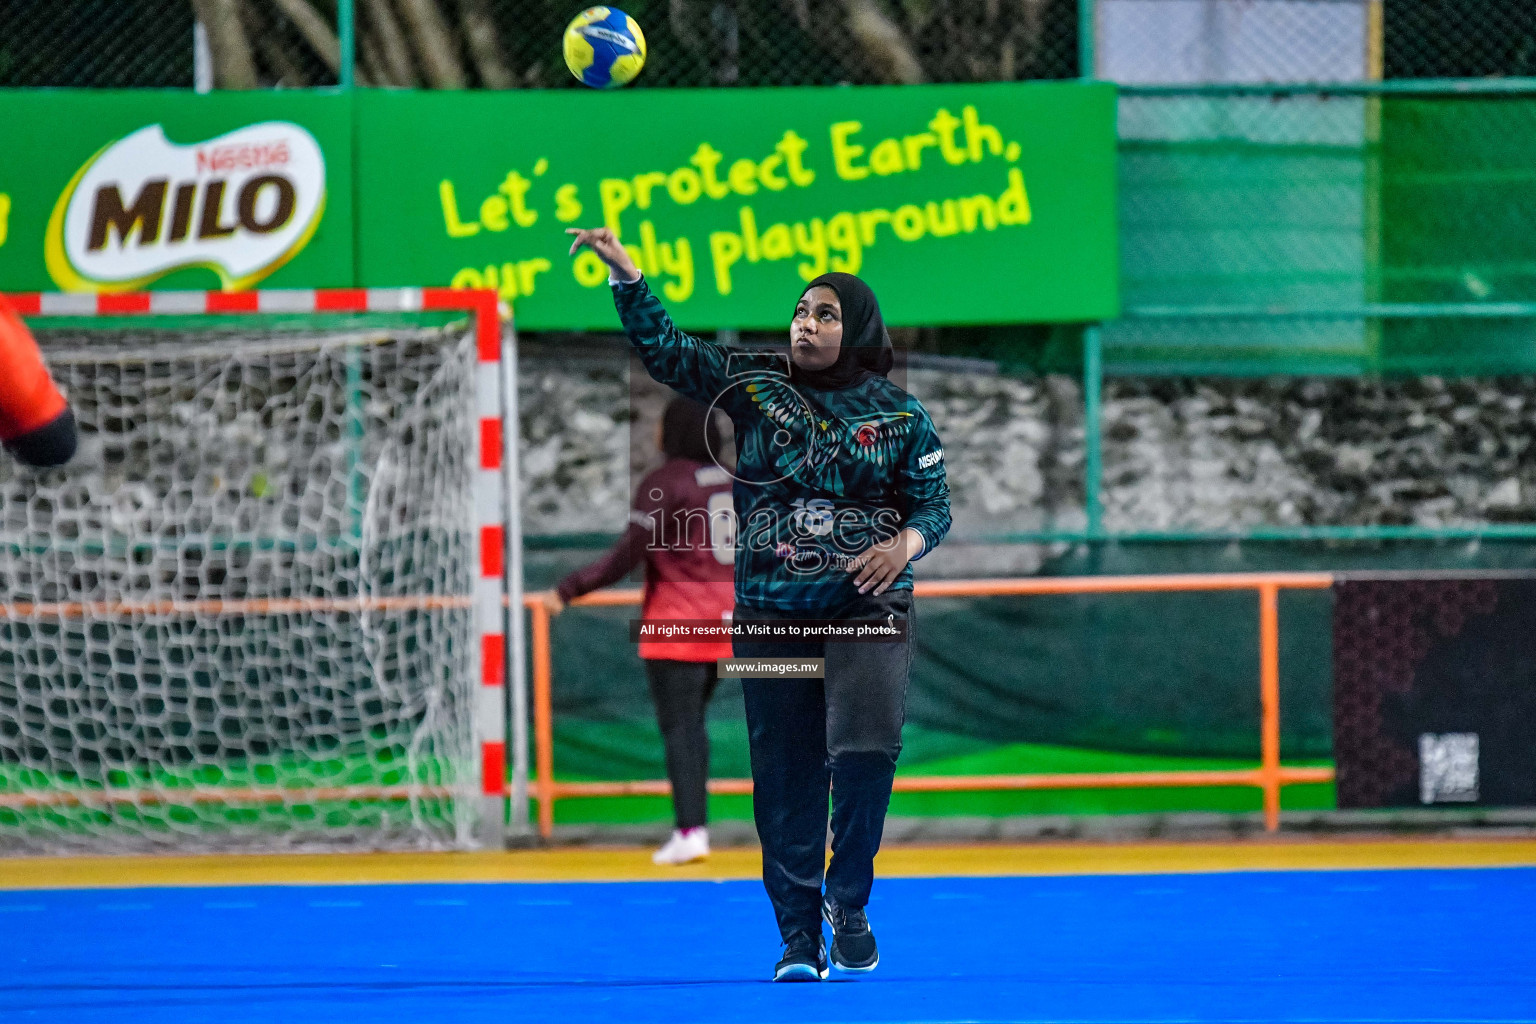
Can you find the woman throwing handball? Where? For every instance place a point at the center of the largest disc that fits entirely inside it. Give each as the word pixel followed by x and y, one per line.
pixel 839 485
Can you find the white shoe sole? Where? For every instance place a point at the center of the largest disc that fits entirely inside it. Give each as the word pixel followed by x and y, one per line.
pixel 800 972
pixel 667 862
pixel 661 858
pixel 857 970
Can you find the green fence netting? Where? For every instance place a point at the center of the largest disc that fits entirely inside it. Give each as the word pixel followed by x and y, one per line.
pixel 1307 233
pixel 1459 38
pixel 1458 200
pixel 505 44
pixel 515 43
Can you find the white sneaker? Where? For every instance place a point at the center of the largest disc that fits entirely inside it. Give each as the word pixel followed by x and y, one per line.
pixel 683 847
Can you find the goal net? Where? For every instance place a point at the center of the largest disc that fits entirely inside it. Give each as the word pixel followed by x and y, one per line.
pixel 260 607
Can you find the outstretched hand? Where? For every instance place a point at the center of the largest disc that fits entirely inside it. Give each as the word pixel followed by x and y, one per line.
pixel 608 248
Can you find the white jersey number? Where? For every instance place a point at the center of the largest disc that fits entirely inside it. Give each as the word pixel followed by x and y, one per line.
pixel 722 527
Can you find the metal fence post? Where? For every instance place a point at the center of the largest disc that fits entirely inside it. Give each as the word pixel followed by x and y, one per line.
pixel 1375 67
pixel 543 721
pixel 517 615
pixel 1086 25
pixel 346 36
pixel 202 59
pixel 1269 702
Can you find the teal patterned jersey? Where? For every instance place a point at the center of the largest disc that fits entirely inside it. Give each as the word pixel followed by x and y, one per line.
pixel 820 475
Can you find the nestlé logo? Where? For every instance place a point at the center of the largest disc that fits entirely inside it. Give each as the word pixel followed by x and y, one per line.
pixel 241 204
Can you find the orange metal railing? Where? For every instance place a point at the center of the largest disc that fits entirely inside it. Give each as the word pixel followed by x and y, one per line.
pixel 1269 776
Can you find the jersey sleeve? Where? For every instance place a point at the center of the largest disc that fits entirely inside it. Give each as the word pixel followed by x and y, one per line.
pixel 697 368
pixel 615 564
pixel 925 484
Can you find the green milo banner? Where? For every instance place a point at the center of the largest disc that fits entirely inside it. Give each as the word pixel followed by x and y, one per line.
pixel 120 191
pixel 960 204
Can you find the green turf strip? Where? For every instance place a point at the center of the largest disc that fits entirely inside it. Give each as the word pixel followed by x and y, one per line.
pixel 636 746
pixel 383 766
pixel 632 750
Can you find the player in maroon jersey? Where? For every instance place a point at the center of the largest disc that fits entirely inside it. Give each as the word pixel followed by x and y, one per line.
pixel 683 527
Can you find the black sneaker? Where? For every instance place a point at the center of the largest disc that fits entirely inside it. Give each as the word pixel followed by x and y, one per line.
pixel 805 959
pixel 853 944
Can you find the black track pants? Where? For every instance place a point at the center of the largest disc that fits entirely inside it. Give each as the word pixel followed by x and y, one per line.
pixel 842 732
pixel 681 692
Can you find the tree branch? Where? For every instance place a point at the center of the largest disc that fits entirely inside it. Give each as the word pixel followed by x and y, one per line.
pixel 316 31
pixel 484 45
pixel 286 70
pixel 233 65
pixel 883 41
pixel 278 65
pixel 800 10
pixel 370 66
pixel 434 44
pixel 393 52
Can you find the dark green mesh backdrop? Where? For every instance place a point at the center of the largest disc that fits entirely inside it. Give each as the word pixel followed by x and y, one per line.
pixel 1025 684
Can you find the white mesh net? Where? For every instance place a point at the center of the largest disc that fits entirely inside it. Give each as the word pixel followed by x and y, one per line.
pixel 240 618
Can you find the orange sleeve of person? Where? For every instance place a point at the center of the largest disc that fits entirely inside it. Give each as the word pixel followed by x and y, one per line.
pixel 28 397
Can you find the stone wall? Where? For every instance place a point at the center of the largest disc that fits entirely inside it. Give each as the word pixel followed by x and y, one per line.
pixel 1222 454
pixel 1207 454
pixel 1014 446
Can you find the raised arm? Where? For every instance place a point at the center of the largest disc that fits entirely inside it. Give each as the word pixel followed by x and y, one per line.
pixel 697 368
pixel 646 516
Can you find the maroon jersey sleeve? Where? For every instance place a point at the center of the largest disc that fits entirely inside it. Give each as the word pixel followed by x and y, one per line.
pixel 632 546
pixel 609 569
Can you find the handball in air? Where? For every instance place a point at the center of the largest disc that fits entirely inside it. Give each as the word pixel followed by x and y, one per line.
pixel 604 47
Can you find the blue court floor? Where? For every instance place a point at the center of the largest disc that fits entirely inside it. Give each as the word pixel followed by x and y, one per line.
pixel 1344 946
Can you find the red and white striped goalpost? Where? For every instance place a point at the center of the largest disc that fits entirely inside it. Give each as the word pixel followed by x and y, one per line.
pixel 500 584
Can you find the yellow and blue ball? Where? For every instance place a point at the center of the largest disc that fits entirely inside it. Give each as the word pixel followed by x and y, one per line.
pixel 604 47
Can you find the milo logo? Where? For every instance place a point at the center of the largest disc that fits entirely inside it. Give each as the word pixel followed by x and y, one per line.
pixel 241 205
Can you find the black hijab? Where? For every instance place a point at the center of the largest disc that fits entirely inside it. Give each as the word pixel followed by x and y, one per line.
pixel 688 431
pixel 866 348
